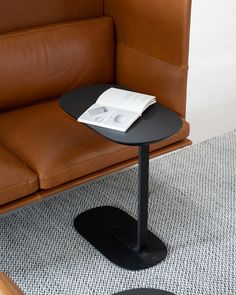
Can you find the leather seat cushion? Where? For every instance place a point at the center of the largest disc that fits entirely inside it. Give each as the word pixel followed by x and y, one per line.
pixel 54 145
pixel 58 148
pixel 16 180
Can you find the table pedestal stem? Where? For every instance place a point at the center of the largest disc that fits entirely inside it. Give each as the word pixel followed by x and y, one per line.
pixel 118 236
pixel 142 197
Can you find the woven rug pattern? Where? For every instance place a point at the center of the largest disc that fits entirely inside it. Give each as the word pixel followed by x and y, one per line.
pixel 192 208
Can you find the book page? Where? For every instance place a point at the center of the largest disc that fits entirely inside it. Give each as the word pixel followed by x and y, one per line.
pixel 108 117
pixel 124 99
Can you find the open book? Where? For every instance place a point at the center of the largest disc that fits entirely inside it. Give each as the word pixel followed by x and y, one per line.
pixel 117 109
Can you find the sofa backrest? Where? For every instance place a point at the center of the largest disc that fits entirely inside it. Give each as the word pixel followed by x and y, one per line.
pixel 22 14
pixel 152 47
pixel 44 62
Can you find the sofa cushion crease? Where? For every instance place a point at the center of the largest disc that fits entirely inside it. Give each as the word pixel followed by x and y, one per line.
pixel 16 180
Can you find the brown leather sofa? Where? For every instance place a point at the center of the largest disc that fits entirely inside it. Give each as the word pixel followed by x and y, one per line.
pixel 50 47
pixel 7 286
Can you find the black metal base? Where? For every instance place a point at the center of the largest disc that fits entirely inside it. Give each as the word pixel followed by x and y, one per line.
pixel 144 292
pixel 114 233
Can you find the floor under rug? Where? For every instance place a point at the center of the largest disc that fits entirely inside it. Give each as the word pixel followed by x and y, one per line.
pixel 192 208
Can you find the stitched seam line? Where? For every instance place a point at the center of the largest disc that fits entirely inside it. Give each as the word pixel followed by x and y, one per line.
pixel 183 67
pixel 52 27
pixel 72 166
pixel 17 185
pixel 18 158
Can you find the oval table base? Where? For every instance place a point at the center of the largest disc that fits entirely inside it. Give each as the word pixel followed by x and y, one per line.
pixel 113 232
pixel 144 292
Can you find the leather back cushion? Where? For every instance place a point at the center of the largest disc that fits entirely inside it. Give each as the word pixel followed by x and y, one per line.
pixel 18 14
pixel 44 62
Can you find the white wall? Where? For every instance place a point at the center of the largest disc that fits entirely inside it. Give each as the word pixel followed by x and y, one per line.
pixel 211 101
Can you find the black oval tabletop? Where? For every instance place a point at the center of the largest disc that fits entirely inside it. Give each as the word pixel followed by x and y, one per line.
pixel 156 123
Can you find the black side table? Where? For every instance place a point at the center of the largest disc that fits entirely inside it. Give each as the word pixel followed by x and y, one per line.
pixel 119 237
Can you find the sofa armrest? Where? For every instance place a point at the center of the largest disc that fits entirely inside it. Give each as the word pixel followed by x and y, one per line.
pixel 7 286
pixel 152 47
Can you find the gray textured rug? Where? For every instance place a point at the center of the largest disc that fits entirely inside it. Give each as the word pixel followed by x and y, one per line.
pixel 192 209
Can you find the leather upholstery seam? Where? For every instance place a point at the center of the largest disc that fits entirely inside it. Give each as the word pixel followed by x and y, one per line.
pixel 18 158
pixel 45 176
pixel 52 27
pixel 182 67
pixel 18 185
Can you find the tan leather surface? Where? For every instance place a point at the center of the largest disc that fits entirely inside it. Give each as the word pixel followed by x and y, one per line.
pixel 55 146
pixel 18 14
pixel 144 73
pixel 46 62
pixel 7 286
pixel 152 47
pixel 4 209
pixel 159 28
pixel 58 148
pixel 16 179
